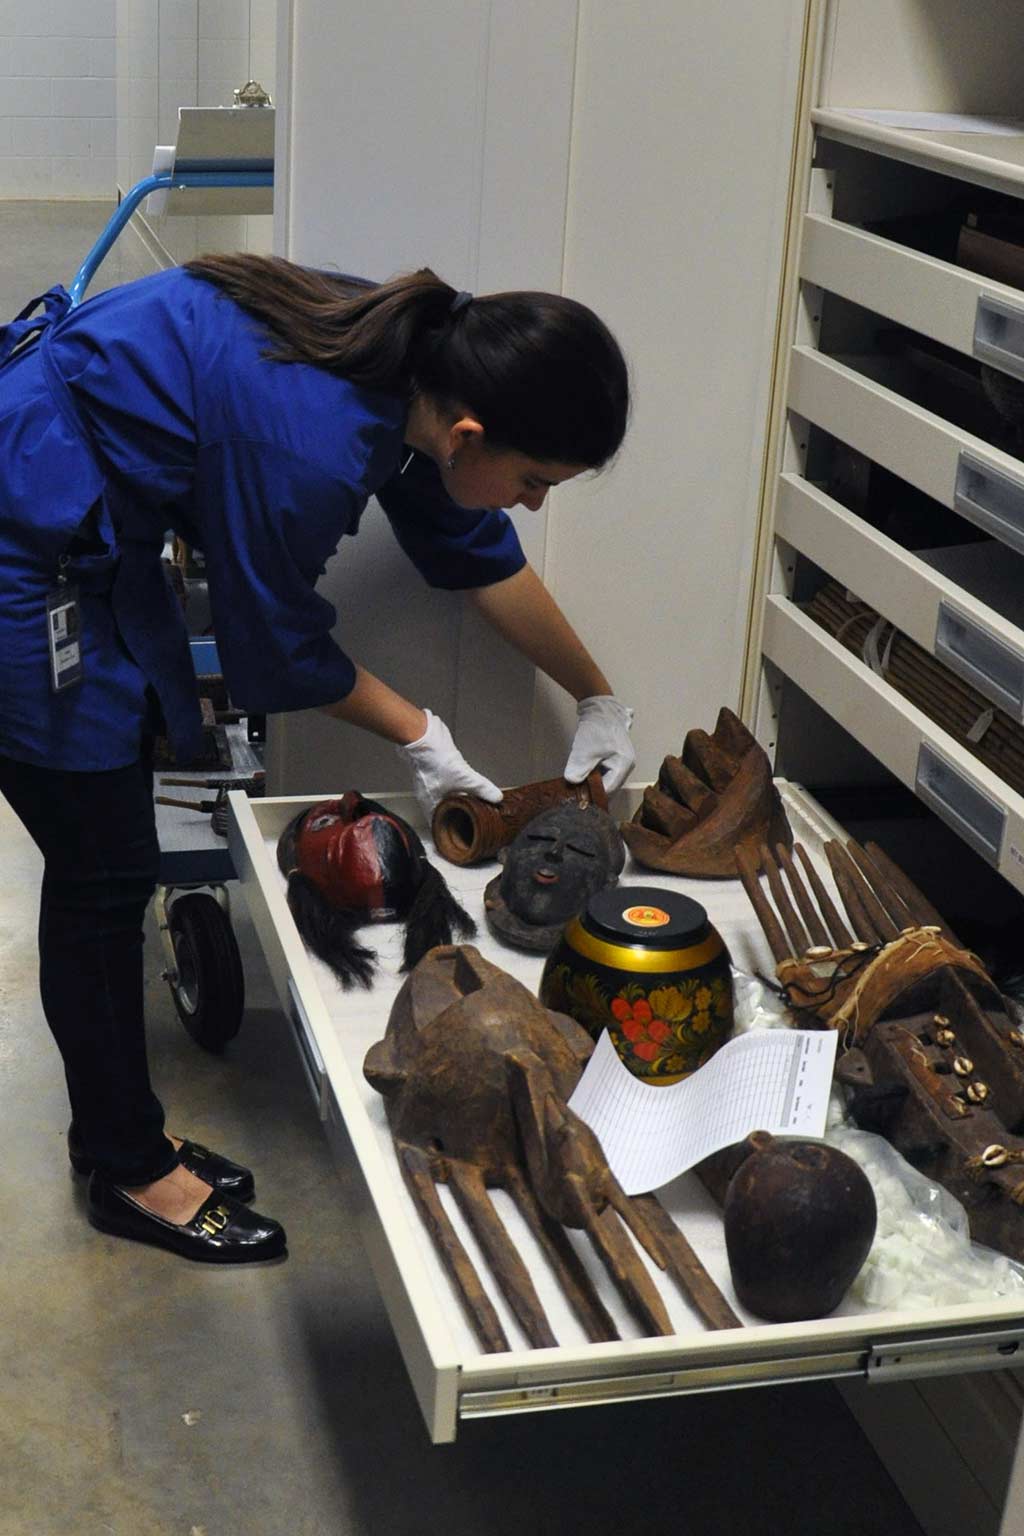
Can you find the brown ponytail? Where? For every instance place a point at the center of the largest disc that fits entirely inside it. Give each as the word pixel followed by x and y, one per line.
pixel 541 372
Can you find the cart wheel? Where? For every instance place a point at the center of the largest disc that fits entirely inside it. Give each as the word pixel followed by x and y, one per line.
pixel 210 991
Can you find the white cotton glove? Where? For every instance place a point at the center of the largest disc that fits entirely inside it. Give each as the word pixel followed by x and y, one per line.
pixel 439 769
pixel 601 741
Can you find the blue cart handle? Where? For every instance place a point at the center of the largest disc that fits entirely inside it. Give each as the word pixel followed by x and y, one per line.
pixel 181 176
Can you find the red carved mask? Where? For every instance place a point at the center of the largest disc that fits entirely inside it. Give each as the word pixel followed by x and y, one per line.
pixel 359 857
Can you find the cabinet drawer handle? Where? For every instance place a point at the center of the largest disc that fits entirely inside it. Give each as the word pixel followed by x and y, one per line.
pixel 309 1055
pixel 993 667
pixel 999 335
pixel 991 499
pixel 959 803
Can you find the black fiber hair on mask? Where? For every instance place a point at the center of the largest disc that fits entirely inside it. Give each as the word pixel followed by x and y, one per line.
pixel 434 916
pixel 328 931
pixel 430 911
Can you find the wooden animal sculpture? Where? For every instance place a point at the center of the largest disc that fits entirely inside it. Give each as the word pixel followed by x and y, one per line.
pixel 717 796
pixel 475 1075
pixel 350 862
pixel 467 830
pixel 934 1061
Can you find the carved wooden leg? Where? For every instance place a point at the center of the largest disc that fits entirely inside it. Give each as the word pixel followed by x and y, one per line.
pixel 565 1262
pixel 415 1166
pixel 624 1265
pixel 467 1185
pixel 686 1269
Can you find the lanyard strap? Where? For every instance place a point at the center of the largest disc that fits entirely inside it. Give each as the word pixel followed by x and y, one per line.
pixel 56 302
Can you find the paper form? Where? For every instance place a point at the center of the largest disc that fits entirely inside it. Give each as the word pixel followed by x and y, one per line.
pixel 769 1080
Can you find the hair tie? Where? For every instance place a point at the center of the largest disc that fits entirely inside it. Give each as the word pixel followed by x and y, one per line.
pixel 461 299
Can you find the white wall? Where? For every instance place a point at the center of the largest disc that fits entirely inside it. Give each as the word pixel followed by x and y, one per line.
pixel 636 157
pixel 57 98
pixel 417 135
pixel 682 144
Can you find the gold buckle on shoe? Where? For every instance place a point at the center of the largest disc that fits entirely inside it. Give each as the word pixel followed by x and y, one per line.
pixel 215 1220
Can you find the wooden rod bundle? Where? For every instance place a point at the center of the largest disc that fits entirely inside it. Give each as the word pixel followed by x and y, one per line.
pixel 938 692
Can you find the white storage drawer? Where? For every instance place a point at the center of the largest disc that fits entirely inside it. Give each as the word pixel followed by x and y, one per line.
pixel 976 641
pixel 974 315
pixel 452 1378
pixel 962 791
pixel 978 481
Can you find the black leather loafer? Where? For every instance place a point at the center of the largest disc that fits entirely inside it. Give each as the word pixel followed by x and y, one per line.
pixel 224 1176
pixel 221 1232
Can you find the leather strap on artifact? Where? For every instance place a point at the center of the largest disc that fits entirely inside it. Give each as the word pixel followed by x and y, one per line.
pixel 878 976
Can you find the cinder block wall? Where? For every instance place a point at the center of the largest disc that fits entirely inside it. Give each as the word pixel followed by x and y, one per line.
pixel 187 53
pixel 57 98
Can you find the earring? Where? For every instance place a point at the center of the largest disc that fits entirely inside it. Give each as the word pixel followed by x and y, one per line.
pixel 450 462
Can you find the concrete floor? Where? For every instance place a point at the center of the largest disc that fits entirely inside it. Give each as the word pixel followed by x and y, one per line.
pixel 300 1418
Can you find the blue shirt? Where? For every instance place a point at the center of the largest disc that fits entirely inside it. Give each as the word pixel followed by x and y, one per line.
pixel 152 407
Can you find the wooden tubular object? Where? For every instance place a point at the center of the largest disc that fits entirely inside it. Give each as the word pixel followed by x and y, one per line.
pixel 918 905
pixel 467 830
pixel 876 913
pixel 855 909
pixel 792 924
pixel 815 927
pixel 930 685
pixel 747 868
pixel 837 928
pixel 895 907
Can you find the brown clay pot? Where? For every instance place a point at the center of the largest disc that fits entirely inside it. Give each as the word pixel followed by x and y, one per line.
pixel 467 830
pixel 799 1221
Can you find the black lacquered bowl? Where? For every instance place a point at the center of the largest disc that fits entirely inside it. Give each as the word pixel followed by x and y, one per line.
pixel 647 965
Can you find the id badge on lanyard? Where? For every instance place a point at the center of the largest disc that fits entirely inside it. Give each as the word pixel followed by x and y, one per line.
pixel 64 634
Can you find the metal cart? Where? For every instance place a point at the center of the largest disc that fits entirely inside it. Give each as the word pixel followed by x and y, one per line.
pixel 192 904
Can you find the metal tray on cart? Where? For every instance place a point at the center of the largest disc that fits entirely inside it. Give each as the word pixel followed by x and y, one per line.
pixel 451 1376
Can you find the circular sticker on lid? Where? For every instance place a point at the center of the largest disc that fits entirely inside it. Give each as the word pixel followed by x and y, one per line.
pixel 646 917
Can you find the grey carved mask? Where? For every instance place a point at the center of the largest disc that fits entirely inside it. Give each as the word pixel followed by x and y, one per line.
pixel 553 867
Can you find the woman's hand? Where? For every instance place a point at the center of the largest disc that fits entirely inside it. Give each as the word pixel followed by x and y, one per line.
pixel 601 741
pixel 522 610
pixel 439 768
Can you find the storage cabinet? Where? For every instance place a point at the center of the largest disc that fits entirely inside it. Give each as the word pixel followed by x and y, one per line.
pixel 896 467
pixel 897 463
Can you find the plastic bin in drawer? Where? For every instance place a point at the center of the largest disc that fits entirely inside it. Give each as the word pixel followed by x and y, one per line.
pixel 972 314
pixel 452 1377
pixel 983 645
pixel 981 483
pixel 963 792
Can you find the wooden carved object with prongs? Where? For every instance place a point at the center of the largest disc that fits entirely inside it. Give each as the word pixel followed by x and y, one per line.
pixel 929 1055
pixel 716 797
pixel 475 1075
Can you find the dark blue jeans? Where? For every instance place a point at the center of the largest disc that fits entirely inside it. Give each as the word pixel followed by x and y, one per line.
pixel 97 835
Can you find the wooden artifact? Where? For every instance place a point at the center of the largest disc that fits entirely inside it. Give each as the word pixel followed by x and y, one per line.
pixel 553 865
pixel 475 1075
pixel 717 796
pixel 932 1058
pixel 847 978
pixel 349 862
pixel 988 733
pixel 799 1221
pixel 467 830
